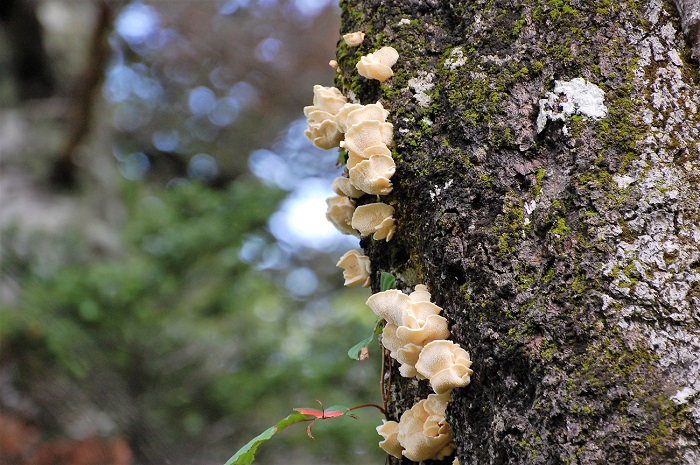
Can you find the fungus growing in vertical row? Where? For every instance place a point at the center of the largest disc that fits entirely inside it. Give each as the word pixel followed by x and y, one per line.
pixel 372 175
pixel 343 186
pixel 423 431
pixel 356 268
pixel 378 65
pixel 375 219
pixel 445 364
pixel 322 130
pixel 389 430
pixel 366 134
pixel 340 212
pixel 354 158
pixel 353 113
pixel 412 322
pixel 353 39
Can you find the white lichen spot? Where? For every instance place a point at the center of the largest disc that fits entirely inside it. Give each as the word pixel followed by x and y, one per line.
pixel 623 182
pixel 456 59
pixel 422 84
pixel 404 22
pixel 577 96
pixel 682 396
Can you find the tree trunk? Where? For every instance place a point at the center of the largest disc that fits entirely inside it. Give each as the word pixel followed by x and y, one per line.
pixel 561 237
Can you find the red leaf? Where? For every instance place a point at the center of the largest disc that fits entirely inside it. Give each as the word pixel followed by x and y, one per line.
pixel 333 413
pixel 310 411
pixel 322 414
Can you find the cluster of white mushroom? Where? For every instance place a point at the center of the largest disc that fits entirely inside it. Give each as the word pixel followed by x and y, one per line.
pixel 422 433
pixel 415 334
pixel 362 130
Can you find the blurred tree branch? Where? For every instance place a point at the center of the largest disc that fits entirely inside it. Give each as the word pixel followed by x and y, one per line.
pixel 80 112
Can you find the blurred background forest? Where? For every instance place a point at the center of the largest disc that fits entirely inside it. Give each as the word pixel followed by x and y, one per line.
pixel 168 285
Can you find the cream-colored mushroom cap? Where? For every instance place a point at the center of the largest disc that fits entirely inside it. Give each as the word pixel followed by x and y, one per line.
pixel 446 364
pixel 378 65
pixel 328 99
pixel 366 134
pixel 387 56
pixel 390 340
pixel 407 355
pixel 356 268
pixel 421 332
pixel 372 176
pixel 376 219
pixel 420 294
pixel 354 39
pixel 354 158
pixel 325 135
pixel 371 112
pixel 342 116
pixel 424 434
pixel 343 186
pixel 340 211
pixel 390 305
pixel 389 430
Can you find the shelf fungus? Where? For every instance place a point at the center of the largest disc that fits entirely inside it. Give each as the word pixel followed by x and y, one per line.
pixel 389 430
pixel 378 65
pixel 353 39
pixel 343 186
pixel 412 322
pixel 356 268
pixel 423 431
pixel 340 212
pixel 372 175
pixel 368 133
pixel 322 130
pixel 353 113
pixel 354 158
pixel 375 219
pixel 445 364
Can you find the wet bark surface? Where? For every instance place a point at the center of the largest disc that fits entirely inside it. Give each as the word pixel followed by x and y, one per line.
pixel 566 259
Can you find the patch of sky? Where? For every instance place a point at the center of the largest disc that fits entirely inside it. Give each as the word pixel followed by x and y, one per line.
pixel 134 166
pixel 245 94
pixel 126 82
pixel 301 282
pixel 292 159
pixel 137 23
pixel 268 50
pixel 301 219
pixel 201 100
pixel 202 166
pixel 225 111
pixel 165 141
pixel 295 165
pixel 311 8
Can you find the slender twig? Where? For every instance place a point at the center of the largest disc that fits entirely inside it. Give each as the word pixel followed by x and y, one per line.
pixel 378 407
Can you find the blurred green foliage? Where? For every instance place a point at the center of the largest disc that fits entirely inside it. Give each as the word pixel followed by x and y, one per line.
pixel 177 339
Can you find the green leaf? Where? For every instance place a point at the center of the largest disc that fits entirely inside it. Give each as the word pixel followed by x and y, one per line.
pixel 354 352
pixel 386 281
pixel 246 454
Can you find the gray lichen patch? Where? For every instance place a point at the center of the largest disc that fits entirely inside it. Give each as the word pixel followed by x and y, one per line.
pixel 654 285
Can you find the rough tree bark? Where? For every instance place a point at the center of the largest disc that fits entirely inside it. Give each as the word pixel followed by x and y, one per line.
pixel 567 261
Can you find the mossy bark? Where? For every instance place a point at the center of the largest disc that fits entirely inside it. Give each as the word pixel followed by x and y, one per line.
pixel 567 261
